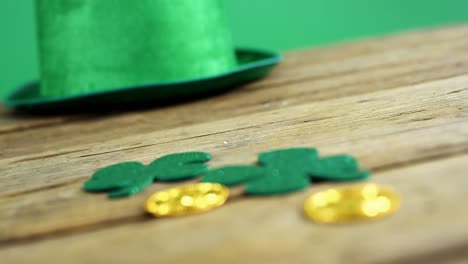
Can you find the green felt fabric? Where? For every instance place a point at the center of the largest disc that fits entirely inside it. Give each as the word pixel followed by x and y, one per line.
pixel 277 181
pixel 128 178
pixel 253 64
pixel 120 180
pixel 337 168
pixel 88 46
pixel 292 157
pixel 179 166
pixel 277 172
pixel 233 175
pixel 285 171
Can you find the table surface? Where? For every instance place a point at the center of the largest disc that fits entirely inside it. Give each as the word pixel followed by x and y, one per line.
pixel 398 103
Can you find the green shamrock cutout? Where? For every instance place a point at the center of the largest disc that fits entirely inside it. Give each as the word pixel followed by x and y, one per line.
pixel 284 171
pixel 279 171
pixel 120 180
pixel 129 178
pixel 287 170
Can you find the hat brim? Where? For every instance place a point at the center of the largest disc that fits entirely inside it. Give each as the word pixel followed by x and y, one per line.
pixel 252 65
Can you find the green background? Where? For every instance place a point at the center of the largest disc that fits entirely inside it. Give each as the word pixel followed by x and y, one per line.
pixel 272 24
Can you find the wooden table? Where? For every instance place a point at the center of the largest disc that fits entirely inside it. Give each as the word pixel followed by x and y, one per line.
pixel 398 103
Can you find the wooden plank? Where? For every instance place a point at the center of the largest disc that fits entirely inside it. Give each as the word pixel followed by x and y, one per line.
pixel 14 122
pixel 430 228
pixel 417 56
pixel 375 78
pixel 398 103
pixel 379 113
pixel 384 129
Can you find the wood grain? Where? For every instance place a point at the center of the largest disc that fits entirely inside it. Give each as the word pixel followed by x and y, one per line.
pixel 306 79
pixel 398 103
pixel 259 230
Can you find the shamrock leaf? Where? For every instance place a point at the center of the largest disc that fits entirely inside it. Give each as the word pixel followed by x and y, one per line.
pixel 129 178
pixel 120 180
pixel 286 171
pixel 233 175
pixel 337 168
pixel 279 171
pixel 179 166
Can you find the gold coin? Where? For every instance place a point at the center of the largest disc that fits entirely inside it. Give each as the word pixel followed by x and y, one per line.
pixel 351 204
pixel 187 199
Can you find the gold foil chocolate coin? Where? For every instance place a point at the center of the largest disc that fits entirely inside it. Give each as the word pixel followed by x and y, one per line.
pixel 187 199
pixel 351 204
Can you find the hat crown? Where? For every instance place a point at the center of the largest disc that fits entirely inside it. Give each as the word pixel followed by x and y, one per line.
pixel 96 45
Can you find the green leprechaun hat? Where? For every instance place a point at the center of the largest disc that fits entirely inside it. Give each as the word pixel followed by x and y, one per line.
pixel 97 52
